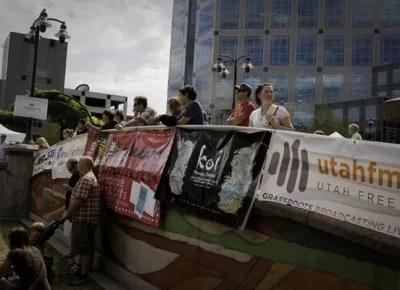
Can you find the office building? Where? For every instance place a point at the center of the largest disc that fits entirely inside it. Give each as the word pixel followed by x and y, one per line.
pixel 312 51
pixel 386 80
pixel 98 102
pixel 16 70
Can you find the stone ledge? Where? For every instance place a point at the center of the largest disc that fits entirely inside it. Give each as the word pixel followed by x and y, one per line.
pixel 21 149
pixel 382 243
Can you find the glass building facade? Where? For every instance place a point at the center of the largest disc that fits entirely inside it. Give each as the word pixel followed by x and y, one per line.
pixel 313 51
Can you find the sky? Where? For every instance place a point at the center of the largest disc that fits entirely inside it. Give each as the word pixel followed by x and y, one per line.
pixel 117 47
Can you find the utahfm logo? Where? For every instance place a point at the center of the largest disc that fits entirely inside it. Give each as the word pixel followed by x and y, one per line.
pixel 294 171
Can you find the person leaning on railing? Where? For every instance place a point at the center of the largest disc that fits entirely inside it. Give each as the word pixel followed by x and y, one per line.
pixel 269 115
pixel 143 114
pixel 108 119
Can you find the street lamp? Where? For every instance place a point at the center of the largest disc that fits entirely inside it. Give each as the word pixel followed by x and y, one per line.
pixel 370 123
pixel 221 68
pixel 40 25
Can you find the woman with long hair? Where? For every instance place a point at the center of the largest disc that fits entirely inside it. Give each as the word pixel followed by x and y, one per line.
pixel 27 262
pixel 269 115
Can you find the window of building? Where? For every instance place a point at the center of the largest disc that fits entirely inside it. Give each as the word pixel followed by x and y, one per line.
pixel 332 91
pixel 252 79
pixel 204 53
pixel 307 13
pixel 254 48
pixel 306 49
pixel 395 93
pixel 382 78
pixel 396 76
pixel 203 90
pixel 180 7
pixel 255 14
pixel 361 52
pixel 362 13
pixel 178 35
pixel 334 13
pixel 173 90
pixel 390 48
pixel 281 10
pixel 304 92
pixel 279 55
pixel 302 120
pixel 280 84
pixel 360 87
pixel 37 123
pixel 177 64
pixel 224 91
pixel 206 19
pixel 230 14
pixel 334 50
pixel 354 114
pixel 228 46
pixel 94 102
pixel 390 11
pixel 370 112
pixel 338 113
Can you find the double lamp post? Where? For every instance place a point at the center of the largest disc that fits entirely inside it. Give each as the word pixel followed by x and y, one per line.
pixel 40 25
pixel 221 68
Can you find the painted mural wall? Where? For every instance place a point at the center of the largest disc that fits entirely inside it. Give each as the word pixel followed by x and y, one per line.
pixel 187 252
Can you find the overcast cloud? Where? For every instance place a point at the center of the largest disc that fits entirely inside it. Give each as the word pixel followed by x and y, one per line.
pixel 117 46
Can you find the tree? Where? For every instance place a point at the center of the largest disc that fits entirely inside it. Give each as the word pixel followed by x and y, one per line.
pixel 325 120
pixel 52 133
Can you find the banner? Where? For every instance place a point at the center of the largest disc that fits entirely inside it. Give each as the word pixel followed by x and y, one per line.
pixel 356 182
pixel 44 160
pixel 215 173
pixel 131 169
pixel 66 149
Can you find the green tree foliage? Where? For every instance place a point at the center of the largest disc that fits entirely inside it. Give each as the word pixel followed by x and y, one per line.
pixel 325 120
pixel 52 133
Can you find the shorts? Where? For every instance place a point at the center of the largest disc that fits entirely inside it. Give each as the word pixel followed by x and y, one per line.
pixel 82 238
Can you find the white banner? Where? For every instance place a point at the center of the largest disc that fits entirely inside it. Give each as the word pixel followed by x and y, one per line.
pixel 44 160
pixel 70 148
pixel 31 107
pixel 357 182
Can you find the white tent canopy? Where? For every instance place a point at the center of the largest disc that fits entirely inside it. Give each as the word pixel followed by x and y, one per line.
pixel 336 135
pixel 12 136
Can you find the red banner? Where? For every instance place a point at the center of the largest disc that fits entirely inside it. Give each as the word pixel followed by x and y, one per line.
pixel 131 170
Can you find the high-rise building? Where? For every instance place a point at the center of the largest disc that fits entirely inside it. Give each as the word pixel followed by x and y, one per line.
pixel 312 51
pixel 17 66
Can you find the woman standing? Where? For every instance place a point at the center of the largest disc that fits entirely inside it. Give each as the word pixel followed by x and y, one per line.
pixel 269 115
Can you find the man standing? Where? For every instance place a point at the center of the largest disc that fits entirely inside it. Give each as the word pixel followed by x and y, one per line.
pixel 241 113
pixel 84 214
pixel 72 167
pixel 3 144
pixel 144 115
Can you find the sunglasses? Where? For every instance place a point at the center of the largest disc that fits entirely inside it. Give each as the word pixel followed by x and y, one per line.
pixel 241 91
pixel 136 104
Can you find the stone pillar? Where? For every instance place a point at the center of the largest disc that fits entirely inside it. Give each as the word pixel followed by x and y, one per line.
pixel 15 177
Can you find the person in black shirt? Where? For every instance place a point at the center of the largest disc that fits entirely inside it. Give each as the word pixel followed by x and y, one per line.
pixel 108 119
pixel 72 166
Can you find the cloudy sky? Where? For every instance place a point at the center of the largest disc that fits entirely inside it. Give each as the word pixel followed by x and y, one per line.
pixel 117 46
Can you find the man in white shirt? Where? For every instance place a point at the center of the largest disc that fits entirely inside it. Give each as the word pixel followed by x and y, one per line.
pixel 3 144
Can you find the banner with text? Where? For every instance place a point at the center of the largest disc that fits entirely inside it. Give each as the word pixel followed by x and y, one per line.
pixel 44 160
pixel 357 182
pixel 215 172
pixel 131 169
pixel 66 149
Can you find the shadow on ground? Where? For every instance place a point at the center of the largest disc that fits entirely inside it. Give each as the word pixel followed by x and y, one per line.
pixel 60 266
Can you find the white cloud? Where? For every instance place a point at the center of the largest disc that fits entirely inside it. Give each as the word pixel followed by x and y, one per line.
pixel 118 47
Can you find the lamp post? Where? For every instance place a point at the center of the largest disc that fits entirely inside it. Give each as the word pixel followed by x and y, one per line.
pixel 370 123
pixel 40 25
pixel 221 68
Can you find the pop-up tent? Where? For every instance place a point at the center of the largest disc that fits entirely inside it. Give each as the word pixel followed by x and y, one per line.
pixel 12 136
pixel 336 135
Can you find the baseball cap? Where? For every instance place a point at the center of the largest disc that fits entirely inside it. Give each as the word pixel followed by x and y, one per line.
pixel 244 87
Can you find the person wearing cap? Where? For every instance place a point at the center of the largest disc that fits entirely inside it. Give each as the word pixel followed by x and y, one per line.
pixel 241 113
pixel 3 144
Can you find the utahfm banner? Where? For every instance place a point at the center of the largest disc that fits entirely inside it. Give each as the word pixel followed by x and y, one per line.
pixel 215 173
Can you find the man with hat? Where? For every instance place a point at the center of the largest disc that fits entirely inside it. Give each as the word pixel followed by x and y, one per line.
pixel 241 113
